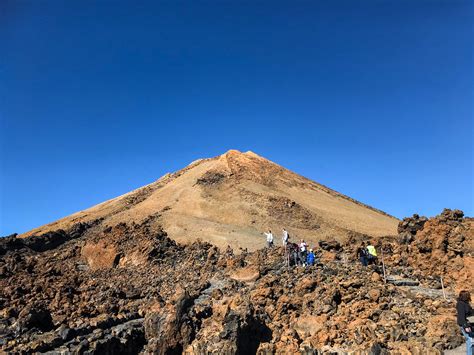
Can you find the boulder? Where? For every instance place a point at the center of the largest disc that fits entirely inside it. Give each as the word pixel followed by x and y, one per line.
pixel 307 325
pixel 374 294
pixel 247 274
pixel 100 255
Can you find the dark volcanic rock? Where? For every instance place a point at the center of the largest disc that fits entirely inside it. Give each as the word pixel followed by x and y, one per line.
pixel 330 245
pixel 166 329
pixel 44 242
pixel 10 243
pixel 211 178
pixel 451 215
pixel 34 317
pixel 409 226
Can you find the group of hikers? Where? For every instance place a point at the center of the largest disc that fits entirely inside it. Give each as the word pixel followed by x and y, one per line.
pixel 295 253
pixel 301 254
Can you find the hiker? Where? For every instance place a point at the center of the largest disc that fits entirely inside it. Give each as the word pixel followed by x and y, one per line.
pixel 285 240
pixel 303 246
pixel 465 318
pixel 294 250
pixel 362 254
pixel 285 237
pixel 269 236
pixel 371 254
pixel 310 258
pixel 229 252
pixel 289 254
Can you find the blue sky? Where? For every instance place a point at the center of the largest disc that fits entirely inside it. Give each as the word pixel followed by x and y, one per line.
pixel 371 98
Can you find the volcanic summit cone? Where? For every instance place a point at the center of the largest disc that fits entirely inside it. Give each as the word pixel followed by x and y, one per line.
pixel 231 199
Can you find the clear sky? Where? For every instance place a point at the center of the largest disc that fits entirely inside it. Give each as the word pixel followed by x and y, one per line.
pixel 372 98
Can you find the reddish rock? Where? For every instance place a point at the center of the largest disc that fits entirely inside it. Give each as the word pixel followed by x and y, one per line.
pixel 100 255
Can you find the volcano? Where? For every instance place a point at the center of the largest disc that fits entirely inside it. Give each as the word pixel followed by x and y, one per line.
pixel 231 200
pixel 111 279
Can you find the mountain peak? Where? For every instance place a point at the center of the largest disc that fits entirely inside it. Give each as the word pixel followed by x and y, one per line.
pixel 238 153
pixel 233 152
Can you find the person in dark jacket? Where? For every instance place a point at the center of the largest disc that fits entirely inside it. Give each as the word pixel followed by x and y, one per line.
pixel 464 310
pixel 362 253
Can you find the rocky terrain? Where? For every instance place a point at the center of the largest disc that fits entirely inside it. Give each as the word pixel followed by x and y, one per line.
pixel 230 200
pixel 129 288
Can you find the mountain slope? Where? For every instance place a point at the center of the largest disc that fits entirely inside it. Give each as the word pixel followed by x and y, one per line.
pixel 231 199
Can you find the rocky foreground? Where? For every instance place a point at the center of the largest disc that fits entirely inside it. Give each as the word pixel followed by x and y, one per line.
pixel 131 289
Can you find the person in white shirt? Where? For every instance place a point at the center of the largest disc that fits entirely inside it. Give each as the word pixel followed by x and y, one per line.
pixel 269 236
pixel 303 247
pixel 285 237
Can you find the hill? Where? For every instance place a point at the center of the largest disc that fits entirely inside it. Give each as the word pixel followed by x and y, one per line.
pixel 230 200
